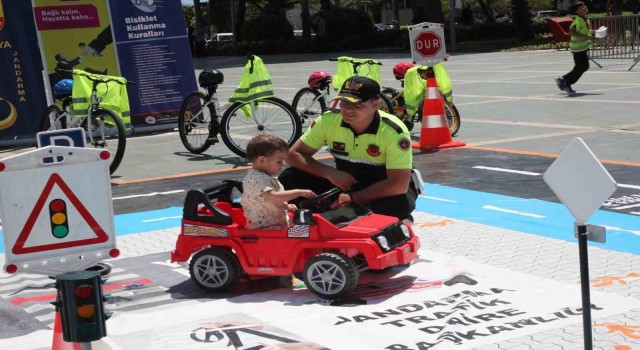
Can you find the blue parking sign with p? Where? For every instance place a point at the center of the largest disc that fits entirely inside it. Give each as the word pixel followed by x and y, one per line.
pixel 73 137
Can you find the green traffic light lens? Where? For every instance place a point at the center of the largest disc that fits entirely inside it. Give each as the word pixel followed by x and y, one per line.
pixel 60 231
pixel 88 330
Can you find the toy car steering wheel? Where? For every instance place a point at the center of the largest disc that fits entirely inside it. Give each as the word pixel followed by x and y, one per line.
pixel 321 202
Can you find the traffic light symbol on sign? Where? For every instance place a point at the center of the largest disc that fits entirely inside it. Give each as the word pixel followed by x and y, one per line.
pixel 59 218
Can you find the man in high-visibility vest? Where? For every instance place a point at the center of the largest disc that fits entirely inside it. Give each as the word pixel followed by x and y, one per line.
pixel 580 44
pixel 372 152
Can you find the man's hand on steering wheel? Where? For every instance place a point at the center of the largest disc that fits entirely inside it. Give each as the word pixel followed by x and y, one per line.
pixel 342 179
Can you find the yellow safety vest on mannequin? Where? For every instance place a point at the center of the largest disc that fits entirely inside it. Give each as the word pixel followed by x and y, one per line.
pixel 255 83
pixel 415 86
pixel 113 93
pixel 345 70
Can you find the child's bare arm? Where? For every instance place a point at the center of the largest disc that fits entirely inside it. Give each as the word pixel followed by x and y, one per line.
pixel 279 197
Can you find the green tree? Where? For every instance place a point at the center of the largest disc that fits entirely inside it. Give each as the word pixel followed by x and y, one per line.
pixel 521 16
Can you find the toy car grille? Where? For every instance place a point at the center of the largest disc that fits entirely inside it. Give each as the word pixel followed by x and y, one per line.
pixel 394 236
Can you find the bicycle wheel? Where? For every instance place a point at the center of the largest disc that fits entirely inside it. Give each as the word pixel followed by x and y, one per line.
pixel 308 106
pixel 243 121
pixel 194 123
pixel 385 104
pixel 52 112
pixel 453 117
pixel 107 132
pixel 450 111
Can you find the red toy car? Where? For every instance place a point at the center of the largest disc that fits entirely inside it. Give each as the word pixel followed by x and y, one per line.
pixel 330 248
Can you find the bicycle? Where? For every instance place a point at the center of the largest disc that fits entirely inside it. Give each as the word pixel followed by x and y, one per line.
pixel 200 123
pixel 103 127
pixel 310 102
pixel 399 107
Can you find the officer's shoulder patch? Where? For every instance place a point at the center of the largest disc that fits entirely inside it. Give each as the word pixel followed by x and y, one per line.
pixel 404 143
pixel 392 124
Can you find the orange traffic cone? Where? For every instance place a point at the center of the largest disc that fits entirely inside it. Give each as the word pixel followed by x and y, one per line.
pixel 435 129
pixel 58 342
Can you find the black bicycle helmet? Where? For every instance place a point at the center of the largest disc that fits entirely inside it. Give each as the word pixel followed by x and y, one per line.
pixel 210 77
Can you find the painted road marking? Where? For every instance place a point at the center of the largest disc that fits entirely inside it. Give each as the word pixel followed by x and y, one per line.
pixel 164 218
pixel 491 207
pixel 507 170
pixel 148 194
pixel 439 199
pixel 530 173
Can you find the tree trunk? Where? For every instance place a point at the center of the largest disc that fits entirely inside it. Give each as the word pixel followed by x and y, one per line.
pixel 304 16
pixel 198 13
pixel 325 5
pixel 240 13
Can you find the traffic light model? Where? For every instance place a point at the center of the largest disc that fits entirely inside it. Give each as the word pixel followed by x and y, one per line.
pixel 81 304
pixel 59 218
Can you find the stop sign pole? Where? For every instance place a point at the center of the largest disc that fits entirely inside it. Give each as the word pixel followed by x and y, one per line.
pixel 427 43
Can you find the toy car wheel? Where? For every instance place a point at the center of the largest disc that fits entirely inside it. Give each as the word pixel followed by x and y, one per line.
pixel 330 275
pixel 215 269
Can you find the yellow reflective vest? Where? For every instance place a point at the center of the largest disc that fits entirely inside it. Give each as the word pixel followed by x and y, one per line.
pixel 582 26
pixel 415 86
pixel 113 93
pixel 255 83
pixel 370 68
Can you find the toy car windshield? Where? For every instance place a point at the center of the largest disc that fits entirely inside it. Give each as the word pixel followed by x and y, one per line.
pixel 341 216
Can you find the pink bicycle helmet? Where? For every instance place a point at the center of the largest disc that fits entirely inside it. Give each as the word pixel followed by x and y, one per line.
pixel 400 69
pixel 319 79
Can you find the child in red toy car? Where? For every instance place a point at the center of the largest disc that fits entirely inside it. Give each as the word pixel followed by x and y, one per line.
pixel 264 199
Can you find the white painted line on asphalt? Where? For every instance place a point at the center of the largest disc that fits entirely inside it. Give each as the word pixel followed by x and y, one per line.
pixel 635 212
pixel 439 199
pixel 532 137
pixel 508 170
pixel 164 218
pixel 626 207
pixel 148 194
pixel 635 187
pixel 491 207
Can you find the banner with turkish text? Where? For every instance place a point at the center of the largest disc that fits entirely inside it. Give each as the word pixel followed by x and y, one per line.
pixel 22 93
pixel 153 50
pixel 75 35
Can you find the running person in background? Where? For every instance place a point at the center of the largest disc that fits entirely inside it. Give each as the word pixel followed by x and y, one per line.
pixel 580 44
pixel 372 151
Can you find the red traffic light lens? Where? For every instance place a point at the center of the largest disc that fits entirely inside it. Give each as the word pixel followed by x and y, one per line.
pixel 84 291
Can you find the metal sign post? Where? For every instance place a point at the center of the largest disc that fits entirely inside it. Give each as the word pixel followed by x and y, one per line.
pixel 582 184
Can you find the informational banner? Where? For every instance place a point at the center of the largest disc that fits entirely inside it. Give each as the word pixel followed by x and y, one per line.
pixel 441 303
pixel 75 35
pixel 153 50
pixel 22 93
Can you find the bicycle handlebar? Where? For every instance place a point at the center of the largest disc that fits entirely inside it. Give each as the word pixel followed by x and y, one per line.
pixel 355 61
pixel 100 80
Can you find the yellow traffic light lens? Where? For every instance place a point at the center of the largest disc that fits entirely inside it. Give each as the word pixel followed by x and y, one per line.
pixel 86 311
pixel 58 218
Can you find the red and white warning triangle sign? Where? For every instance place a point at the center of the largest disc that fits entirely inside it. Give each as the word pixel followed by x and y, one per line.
pixel 58 220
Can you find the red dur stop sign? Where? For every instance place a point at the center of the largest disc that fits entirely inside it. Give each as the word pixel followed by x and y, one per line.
pixel 427 44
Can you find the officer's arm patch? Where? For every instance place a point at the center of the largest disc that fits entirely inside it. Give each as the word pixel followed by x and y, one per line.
pixel 404 143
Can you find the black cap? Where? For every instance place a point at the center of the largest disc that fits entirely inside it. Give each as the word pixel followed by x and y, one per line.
pixel 576 6
pixel 358 89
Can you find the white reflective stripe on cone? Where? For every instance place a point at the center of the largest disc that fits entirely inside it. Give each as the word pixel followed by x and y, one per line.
pixel 433 93
pixel 435 121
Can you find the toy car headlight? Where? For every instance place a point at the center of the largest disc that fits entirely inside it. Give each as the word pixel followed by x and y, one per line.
pixel 383 242
pixel 405 231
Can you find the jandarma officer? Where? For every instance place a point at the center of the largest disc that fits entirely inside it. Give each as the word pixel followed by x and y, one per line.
pixel 372 151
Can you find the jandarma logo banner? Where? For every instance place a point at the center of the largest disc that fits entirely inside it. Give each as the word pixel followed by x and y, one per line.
pixel 1 16
pixel 22 95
